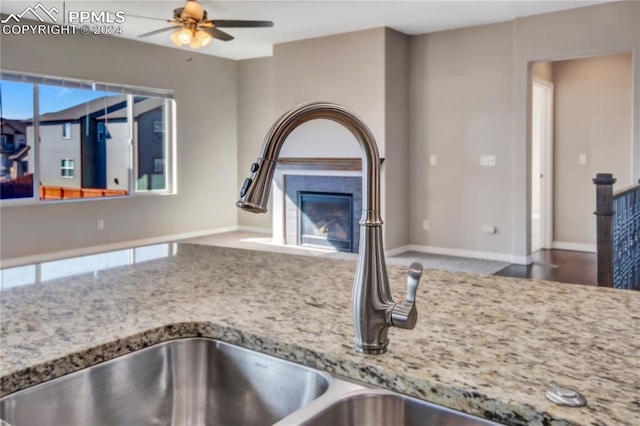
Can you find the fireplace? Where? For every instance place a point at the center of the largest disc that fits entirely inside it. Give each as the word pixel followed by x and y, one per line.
pixel 307 198
pixel 325 220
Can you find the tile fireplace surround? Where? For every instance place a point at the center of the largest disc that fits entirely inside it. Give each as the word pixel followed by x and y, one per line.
pixel 325 175
pixel 294 183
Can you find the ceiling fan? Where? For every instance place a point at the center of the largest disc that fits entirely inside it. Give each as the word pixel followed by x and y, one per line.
pixel 191 26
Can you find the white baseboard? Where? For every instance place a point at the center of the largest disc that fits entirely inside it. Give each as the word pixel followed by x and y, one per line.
pixel 397 250
pixel 503 257
pixel 47 257
pixel 590 248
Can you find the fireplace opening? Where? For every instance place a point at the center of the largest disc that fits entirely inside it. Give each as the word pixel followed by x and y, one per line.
pixel 325 220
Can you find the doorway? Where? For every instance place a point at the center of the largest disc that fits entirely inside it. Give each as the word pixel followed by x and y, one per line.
pixel 580 117
pixel 541 164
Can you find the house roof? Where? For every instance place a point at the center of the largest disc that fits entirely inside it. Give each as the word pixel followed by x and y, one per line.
pixel 12 127
pixel 139 108
pixel 20 154
pixel 78 111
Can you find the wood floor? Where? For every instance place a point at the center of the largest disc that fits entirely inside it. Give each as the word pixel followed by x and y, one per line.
pixel 557 265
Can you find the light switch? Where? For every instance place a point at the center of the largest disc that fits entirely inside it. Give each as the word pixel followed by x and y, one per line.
pixel 433 160
pixel 488 160
pixel 582 159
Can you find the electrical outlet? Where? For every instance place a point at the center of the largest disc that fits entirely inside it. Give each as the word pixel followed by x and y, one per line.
pixel 100 224
pixel 433 160
pixel 582 159
pixel 425 225
pixel 488 160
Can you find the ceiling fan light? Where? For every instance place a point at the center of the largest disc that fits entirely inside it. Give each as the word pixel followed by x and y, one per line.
pixel 185 36
pixel 175 39
pixel 202 38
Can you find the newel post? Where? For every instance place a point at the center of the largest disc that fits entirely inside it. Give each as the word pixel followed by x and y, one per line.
pixel 604 227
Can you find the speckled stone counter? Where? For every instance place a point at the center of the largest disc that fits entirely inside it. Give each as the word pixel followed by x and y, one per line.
pixel 486 345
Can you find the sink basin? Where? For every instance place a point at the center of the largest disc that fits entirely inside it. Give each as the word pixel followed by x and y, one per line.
pixel 181 382
pixel 384 408
pixel 202 382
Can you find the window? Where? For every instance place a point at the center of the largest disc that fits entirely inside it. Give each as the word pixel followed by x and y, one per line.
pixel 158 165
pixel 101 132
pixel 136 122
pixel 17 110
pixel 67 168
pixel 150 113
pixel 158 131
pixel 66 131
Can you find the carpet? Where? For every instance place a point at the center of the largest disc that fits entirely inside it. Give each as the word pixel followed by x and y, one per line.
pixel 448 263
pixel 255 241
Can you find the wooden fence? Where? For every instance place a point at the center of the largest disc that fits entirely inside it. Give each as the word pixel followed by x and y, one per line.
pixel 62 193
pixel 22 187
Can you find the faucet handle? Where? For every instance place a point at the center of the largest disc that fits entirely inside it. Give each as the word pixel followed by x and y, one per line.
pixel 405 314
pixel 413 279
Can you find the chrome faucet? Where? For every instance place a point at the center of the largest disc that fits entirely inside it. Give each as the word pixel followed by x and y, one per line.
pixel 374 310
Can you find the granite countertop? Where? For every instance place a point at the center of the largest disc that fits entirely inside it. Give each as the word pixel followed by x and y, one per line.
pixel 486 345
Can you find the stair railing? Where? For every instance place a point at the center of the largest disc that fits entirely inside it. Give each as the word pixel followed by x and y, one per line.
pixel 618 233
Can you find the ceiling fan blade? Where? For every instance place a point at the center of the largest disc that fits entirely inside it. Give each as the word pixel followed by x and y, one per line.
pixel 219 34
pixel 145 17
pixel 161 30
pixel 232 23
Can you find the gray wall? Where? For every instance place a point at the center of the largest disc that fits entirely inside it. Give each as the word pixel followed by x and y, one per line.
pixel 255 117
pixel 367 72
pixel 118 156
pixel 470 95
pixel 53 148
pixel 542 70
pixel 347 69
pixel 461 108
pixel 205 91
pixel 396 167
pixel 592 116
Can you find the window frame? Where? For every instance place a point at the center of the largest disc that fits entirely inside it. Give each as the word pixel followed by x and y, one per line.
pixel 102 131
pixel 67 130
pixel 170 160
pixel 67 168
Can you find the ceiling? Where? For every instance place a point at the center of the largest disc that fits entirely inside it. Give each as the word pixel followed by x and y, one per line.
pixel 296 20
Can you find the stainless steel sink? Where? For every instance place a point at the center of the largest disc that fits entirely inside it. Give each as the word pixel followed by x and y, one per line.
pixel 382 408
pixel 202 382
pixel 181 382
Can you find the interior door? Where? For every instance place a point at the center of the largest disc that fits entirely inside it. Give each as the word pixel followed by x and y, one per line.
pixel 541 165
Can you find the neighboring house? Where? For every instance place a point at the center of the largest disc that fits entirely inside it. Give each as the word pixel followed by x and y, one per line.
pixel 14 161
pixel 87 145
pixel 148 128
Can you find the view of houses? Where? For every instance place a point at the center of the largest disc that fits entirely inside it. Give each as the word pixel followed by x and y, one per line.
pixel 85 150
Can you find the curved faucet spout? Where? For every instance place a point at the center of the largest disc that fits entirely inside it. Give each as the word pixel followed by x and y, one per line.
pixel 373 308
pixel 258 188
